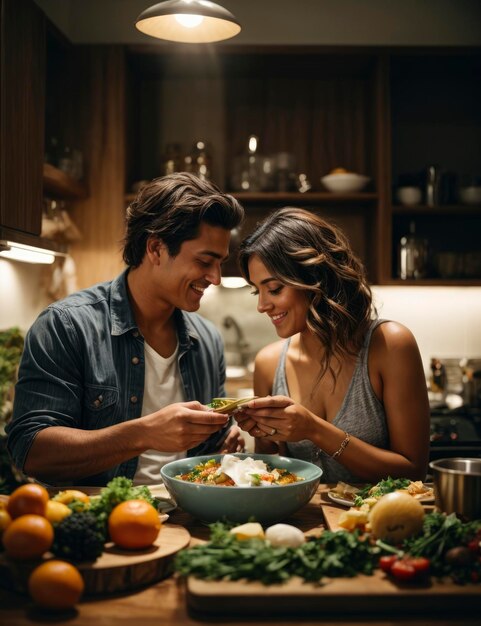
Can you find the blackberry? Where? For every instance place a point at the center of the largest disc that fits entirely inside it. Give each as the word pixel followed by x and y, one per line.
pixel 78 538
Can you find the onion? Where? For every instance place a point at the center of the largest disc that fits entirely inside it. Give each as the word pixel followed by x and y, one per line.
pixel 396 516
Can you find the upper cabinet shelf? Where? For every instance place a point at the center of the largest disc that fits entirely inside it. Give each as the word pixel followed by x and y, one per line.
pixel 308 198
pixel 59 185
pixel 456 209
pixel 314 197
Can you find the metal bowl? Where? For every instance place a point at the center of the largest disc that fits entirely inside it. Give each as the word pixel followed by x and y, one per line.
pixel 457 486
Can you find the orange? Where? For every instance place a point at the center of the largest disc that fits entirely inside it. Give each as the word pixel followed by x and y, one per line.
pixel 56 585
pixel 5 520
pixel 28 537
pixel 30 498
pixel 134 524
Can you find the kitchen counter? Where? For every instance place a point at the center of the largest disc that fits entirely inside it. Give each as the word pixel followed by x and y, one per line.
pixel 164 603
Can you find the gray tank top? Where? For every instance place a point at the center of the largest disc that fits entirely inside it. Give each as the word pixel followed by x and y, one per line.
pixel 361 415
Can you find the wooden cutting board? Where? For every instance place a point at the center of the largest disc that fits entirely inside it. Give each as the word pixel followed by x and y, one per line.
pixel 367 594
pixel 116 569
pixel 376 594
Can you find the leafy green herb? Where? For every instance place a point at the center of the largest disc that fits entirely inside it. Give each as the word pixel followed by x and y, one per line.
pixel 387 485
pixel 225 557
pixel 11 347
pixel 256 479
pixel 440 534
pixel 117 490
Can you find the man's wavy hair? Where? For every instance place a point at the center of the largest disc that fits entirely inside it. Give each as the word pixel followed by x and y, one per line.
pixel 172 208
pixel 305 252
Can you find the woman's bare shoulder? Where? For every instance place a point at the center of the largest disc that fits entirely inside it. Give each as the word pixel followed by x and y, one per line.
pixel 393 346
pixel 268 357
pixel 269 354
pixel 392 335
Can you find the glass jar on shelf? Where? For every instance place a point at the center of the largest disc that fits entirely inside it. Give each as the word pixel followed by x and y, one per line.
pixel 172 159
pixel 201 160
pixel 412 255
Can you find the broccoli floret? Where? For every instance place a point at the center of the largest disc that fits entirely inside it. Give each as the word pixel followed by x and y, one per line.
pixel 116 491
pixel 78 538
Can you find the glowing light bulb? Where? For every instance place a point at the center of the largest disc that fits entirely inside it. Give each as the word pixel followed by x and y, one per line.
pixel 189 21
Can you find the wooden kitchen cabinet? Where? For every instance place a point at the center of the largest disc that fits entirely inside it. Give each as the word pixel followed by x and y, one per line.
pixel 22 87
pixel 386 113
pixel 23 175
pixel 436 120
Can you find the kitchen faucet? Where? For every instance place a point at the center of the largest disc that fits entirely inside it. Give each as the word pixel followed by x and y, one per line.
pixel 241 346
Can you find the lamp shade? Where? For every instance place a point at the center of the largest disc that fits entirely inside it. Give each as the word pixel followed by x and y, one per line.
pixel 188 21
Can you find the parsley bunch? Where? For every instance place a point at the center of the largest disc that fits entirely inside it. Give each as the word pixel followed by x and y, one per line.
pixel 440 534
pixel 333 554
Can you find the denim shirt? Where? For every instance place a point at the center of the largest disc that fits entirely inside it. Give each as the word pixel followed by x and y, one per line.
pixel 83 367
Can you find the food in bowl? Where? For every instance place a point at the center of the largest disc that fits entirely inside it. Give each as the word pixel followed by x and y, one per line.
pixel 233 471
pixel 344 182
pixel 242 503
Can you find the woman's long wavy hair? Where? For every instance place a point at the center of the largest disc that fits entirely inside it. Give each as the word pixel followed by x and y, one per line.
pixel 305 252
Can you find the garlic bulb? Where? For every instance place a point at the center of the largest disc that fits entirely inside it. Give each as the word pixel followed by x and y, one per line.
pixel 284 535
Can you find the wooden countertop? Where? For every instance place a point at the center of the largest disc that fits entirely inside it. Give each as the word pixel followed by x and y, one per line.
pixel 164 603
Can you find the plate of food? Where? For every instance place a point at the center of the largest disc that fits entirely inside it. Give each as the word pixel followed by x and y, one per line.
pixel 349 495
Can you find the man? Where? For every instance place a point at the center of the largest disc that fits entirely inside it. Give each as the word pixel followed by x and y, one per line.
pixel 113 378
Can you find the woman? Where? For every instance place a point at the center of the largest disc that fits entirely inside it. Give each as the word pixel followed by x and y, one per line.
pixel 342 389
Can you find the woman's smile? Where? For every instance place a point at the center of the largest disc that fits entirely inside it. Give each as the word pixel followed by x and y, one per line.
pixel 277 318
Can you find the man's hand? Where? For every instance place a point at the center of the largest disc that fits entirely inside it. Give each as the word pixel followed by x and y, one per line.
pixel 234 442
pixel 180 426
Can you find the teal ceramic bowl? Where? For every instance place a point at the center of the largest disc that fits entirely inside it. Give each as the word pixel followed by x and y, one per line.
pixel 267 505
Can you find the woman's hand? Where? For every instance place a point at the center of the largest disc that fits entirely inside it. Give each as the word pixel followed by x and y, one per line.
pixel 276 418
pixel 234 442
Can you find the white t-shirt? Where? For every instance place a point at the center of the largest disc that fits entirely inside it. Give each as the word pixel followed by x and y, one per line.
pixel 162 386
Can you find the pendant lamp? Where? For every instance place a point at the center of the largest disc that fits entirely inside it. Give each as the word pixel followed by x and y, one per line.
pixel 188 21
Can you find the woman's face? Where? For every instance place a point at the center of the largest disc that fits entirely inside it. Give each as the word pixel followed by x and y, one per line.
pixel 287 307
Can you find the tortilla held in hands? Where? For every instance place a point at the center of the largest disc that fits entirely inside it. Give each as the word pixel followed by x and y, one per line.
pixel 228 405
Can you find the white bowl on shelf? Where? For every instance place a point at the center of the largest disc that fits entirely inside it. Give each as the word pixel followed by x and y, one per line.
pixel 347 182
pixel 409 196
pixel 470 195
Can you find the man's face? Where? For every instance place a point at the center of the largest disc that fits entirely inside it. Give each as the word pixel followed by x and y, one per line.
pixel 181 280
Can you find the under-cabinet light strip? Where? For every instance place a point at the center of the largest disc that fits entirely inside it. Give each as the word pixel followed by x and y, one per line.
pixel 26 254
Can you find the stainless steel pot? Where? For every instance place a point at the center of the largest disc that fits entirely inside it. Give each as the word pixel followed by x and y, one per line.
pixel 457 486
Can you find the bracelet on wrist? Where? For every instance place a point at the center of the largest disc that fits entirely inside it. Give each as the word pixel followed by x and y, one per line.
pixel 343 446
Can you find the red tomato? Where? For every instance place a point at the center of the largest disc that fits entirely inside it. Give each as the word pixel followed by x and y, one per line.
pixel 474 546
pixel 420 564
pixel 402 570
pixel 386 562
